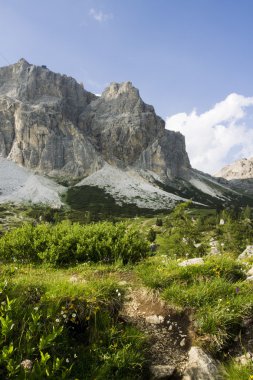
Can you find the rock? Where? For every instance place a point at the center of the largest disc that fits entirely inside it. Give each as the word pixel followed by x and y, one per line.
pixel 194 261
pixel 155 319
pixel 214 244
pixel 214 251
pixel 200 366
pixel 183 342
pixel 248 252
pixel 243 360
pixel 250 278
pixel 250 272
pixel 161 372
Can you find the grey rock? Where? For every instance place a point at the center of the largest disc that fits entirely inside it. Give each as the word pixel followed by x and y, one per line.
pixel 155 319
pixel 183 342
pixel 194 261
pixel 200 366
pixel 161 372
pixel 248 252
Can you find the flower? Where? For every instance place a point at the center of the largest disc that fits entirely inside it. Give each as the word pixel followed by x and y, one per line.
pixel 57 320
pixel 67 360
pixel 27 364
pixel 36 308
pixel 64 316
pixel 75 356
pixel 74 315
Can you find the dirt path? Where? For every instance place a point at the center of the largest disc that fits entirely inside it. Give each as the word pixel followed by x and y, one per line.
pixel 168 331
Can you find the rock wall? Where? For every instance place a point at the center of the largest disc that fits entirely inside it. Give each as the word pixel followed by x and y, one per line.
pixel 49 123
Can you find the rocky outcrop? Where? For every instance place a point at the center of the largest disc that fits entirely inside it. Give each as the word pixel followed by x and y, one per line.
pixel 50 124
pixel 200 366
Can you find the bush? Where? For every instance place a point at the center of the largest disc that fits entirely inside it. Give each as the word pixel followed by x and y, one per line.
pixel 159 222
pixel 151 235
pixel 66 243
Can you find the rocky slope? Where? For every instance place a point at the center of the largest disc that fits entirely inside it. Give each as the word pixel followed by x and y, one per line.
pixel 51 125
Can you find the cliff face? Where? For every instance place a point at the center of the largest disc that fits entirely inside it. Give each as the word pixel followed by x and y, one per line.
pixel 49 123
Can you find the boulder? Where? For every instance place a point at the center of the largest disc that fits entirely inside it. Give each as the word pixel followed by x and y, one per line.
pixel 161 372
pixel 200 366
pixel 248 252
pixel 194 261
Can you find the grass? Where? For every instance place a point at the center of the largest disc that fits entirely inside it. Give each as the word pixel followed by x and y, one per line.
pixel 95 343
pixel 69 327
pixel 215 292
pixel 234 371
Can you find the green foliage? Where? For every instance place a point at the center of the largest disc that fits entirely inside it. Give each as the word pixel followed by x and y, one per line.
pixel 151 235
pixel 65 243
pixel 66 338
pixel 159 222
pixel 215 291
pixel 235 371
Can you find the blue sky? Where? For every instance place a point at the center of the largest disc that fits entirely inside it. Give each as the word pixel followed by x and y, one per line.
pixel 183 55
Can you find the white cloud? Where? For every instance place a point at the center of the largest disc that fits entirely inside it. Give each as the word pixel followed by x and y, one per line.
pixel 218 136
pixel 100 16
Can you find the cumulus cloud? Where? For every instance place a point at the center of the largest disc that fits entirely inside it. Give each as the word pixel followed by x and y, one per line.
pixel 219 136
pixel 100 16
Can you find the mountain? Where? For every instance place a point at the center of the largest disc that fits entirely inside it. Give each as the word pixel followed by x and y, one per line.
pixel 240 169
pixel 239 175
pixel 51 126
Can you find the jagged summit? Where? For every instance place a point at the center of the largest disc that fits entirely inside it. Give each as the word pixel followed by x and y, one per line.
pixel 116 89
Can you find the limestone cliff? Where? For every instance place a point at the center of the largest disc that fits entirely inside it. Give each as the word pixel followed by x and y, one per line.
pixel 50 124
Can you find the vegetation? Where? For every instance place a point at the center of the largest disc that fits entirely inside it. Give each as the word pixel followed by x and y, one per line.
pixel 66 243
pixel 66 330
pixel 61 289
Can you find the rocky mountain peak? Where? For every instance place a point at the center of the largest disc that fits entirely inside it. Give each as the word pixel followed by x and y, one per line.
pixel 116 89
pixel 49 123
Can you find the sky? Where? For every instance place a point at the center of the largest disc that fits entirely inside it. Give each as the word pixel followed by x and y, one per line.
pixel 191 59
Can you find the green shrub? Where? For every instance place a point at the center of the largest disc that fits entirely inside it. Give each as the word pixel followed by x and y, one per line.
pixel 66 243
pixel 65 338
pixel 151 235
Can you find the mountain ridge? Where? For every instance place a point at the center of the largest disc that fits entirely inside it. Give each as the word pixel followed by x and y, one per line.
pixel 51 125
